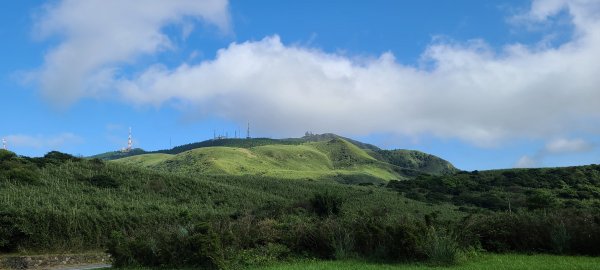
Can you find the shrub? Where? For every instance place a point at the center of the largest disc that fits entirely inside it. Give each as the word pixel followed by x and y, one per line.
pixel 562 232
pixel 58 157
pixel 17 169
pixel 103 181
pixel 197 246
pixel 6 155
pixel 10 233
pixel 326 204
pixel 441 248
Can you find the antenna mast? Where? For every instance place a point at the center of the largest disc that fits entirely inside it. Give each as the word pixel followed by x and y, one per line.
pixel 248 131
pixel 129 141
pixel 4 144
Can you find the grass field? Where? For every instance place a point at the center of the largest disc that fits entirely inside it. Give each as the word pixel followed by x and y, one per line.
pixel 488 261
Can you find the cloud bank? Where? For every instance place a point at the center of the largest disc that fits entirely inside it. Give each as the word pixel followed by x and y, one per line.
pixel 465 90
pixel 99 35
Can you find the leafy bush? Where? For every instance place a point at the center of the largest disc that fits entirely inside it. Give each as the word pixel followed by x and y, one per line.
pixel 11 235
pixel 441 248
pixel 197 246
pixel 103 181
pixel 562 232
pixel 16 169
pixel 326 204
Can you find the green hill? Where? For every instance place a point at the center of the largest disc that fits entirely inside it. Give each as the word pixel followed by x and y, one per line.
pixel 415 160
pixel 310 157
pixel 312 160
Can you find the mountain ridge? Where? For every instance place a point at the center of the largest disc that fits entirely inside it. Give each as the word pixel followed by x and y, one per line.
pixel 311 156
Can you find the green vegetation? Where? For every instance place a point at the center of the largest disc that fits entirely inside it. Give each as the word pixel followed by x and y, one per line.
pixel 62 203
pixel 293 159
pixel 342 152
pixel 489 261
pixel 253 203
pixel 504 190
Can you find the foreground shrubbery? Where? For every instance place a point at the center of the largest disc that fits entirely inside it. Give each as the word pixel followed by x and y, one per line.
pixel 264 237
pixel 313 229
pixel 560 232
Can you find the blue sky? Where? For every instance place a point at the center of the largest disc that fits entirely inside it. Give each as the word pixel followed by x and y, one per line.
pixel 483 84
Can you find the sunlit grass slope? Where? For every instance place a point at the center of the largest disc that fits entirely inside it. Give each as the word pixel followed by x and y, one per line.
pixel 311 160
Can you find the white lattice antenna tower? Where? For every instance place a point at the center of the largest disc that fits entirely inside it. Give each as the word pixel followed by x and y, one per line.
pixel 129 141
pixel 4 144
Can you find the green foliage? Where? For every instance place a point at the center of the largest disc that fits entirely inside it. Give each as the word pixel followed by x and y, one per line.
pixel 503 190
pixel 483 261
pixel 197 246
pixel 316 160
pixel 14 169
pixel 541 199
pixel 312 156
pixel 415 160
pixel 326 204
pixel 441 248
pixel 11 235
pixel 562 232
pixel 6 155
pixel 103 181
pixel 75 204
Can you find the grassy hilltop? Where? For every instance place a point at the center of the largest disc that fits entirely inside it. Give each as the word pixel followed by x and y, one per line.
pixel 310 157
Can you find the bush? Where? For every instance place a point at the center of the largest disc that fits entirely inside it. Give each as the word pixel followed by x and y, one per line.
pixel 15 169
pixel 10 233
pixel 562 232
pixel 197 246
pixel 103 181
pixel 326 204
pixel 441 248
pixel 58 157
pixel 377 238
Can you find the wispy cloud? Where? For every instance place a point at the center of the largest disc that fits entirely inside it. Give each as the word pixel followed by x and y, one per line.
pixel 561 146
pixel 40 142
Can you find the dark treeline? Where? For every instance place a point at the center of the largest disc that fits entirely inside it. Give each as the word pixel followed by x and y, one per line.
pixel 503 190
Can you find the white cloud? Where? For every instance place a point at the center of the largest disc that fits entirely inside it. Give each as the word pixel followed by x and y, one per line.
pixel 560 146
pixel 98 35
pixel 466 90
pixel 527 162
pixel 42 142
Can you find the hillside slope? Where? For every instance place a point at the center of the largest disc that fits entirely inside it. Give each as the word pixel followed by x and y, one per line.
pixel 60 203
pixel 290 158
pixel 313 160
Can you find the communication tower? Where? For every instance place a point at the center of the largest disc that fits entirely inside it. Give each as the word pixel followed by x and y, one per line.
pixel 129 143
pixel 248 131
pixel 4 144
